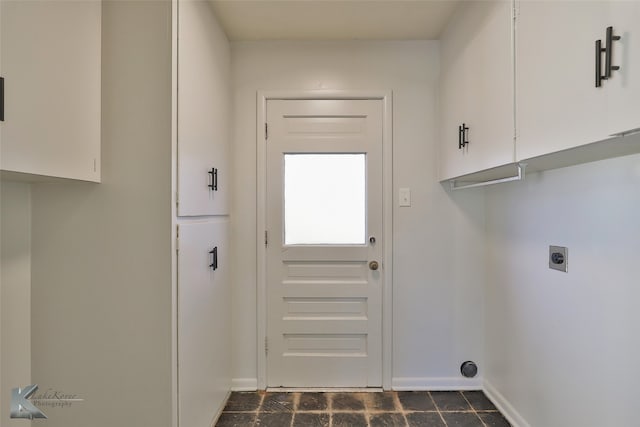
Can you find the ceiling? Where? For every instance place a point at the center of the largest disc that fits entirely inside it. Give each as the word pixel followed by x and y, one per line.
pixel 245 20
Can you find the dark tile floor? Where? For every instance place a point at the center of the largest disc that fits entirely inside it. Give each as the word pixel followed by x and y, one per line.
pixel 366 409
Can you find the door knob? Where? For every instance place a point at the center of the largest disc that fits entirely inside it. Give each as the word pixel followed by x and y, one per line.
pixel 373 265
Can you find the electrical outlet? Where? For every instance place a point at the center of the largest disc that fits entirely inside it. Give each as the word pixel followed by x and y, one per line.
pixel 558 258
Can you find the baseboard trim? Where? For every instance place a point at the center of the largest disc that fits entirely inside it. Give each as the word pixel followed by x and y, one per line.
pixel 220 409
pixel 244 384
pixel 435 383
pixel 504 406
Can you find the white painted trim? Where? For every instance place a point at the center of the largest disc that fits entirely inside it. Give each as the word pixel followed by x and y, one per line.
pixel 261 226
pixel 220 409
pixel 505 407
pixel 387 222
pixel 436 383
pixel 244 384
pixel 325 390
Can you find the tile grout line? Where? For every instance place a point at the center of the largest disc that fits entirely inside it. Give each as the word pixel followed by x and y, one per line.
pixel 438 409
pixel 396 399
pixel 264 396
pixel 294 406
pixel 473 408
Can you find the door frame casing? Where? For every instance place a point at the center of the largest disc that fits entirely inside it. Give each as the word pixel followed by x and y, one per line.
pixel 387 216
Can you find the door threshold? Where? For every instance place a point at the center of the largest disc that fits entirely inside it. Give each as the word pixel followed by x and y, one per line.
pixel 326 389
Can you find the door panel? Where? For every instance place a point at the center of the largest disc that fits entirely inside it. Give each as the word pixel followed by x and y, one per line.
pixel 203 322
pixel 324 303
pixel 203 111
pixel 476 86
pixel 623 89
pixel 558 105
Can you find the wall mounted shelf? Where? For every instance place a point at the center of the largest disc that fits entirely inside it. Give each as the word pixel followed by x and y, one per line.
pixel 627 144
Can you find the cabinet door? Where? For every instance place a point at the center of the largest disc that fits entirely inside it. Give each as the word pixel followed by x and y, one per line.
pixel 203 111
pixel 477 88
pixel 623 89
pixel 204 337
pixel 51 64
pixel 557 103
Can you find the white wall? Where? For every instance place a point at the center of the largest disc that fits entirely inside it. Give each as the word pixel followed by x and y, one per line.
pixel 15 293
pixel 438 270
pixel 101 253
pixel 563 348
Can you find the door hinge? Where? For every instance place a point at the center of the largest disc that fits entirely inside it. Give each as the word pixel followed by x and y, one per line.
pixel 177 238
pixel 177 199
pixel 266 131
pixel 266 238
pixel 266 345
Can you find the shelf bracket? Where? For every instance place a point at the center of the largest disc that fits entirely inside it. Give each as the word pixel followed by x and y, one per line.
pixel 518 177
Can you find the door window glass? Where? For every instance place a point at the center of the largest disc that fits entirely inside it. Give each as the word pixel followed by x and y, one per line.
pixel 324 199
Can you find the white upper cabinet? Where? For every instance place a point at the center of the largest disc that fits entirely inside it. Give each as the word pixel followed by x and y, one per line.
pixel 557 102
pixel 623 88
pixel 203 112
pixel 477 89
pixel 51 65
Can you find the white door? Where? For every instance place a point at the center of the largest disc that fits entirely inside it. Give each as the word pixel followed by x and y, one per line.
pixel 324 219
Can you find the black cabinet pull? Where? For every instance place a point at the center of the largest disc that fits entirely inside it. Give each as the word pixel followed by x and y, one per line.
pixel 214 179
pixel 608 53
pixel 214 260
pixel 462 136
pixel 1 99
pixel 465 139
pixel 599 76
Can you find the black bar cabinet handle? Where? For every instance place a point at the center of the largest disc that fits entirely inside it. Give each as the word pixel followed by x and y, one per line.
pixel 1 99
pixel 462 136
pixel 608 53
pixel 465 140
pixel 214 262
pixel 214 179
pixel 599 76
